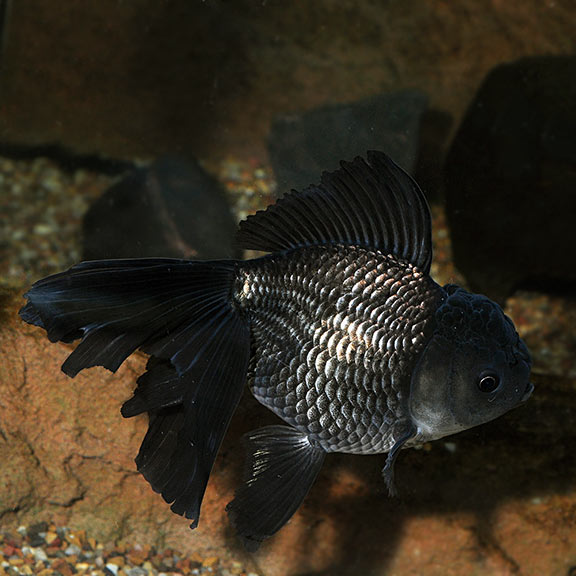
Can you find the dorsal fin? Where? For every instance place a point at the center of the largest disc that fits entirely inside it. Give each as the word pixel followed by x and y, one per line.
pixel 371 203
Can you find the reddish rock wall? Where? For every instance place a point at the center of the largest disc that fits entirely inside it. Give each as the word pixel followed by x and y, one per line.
pixel 495 500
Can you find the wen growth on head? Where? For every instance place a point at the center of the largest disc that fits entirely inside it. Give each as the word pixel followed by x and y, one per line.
pixel 339 330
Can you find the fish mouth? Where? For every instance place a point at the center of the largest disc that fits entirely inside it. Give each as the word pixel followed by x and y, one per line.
pixel 527 392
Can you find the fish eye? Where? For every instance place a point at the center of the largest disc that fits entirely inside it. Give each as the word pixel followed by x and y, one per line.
pixel 488 382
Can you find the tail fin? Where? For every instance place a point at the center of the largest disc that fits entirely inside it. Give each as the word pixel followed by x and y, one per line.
pixel 171 309
pixel 182 314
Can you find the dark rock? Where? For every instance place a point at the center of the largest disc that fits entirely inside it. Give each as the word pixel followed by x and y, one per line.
pixel 37 533
pixel 511 180
pixel 172 209
pixel 434 137
pixel 302 146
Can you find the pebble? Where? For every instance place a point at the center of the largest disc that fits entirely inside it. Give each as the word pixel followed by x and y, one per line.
pixel 51 537
pixel 72 550
pixel 39 555
pixel 136 571
pixel 40 229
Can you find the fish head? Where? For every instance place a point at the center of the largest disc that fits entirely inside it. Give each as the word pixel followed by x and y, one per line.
pixel 474 368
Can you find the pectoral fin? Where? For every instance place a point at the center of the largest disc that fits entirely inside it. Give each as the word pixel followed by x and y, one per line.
pixel 388 470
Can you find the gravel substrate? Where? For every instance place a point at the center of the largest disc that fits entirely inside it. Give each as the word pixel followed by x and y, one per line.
pixel 48 550
pixel 41 209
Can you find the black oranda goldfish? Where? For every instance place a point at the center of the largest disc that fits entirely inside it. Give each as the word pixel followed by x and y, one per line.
pixel 339 330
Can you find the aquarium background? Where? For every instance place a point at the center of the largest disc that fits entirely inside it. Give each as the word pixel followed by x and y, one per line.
pixel 148 128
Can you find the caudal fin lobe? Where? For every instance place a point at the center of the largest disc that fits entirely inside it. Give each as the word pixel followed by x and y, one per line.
pixel 183 315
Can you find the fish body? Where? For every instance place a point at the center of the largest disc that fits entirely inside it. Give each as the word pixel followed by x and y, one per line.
pixel 336 332
pixel 339 330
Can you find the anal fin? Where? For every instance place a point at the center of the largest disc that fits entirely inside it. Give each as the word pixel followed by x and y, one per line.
pixel 281 467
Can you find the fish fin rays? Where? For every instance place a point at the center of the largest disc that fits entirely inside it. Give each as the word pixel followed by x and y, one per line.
pixel 182 314
pixel 388 470
pixel 159 387
pixel 371 203
pixel 169 308
pixel 281 467
pixel 189 419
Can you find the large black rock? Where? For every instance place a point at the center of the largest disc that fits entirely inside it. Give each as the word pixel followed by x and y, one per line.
pixel 511 180
pixel 302 146
pixel 173 208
